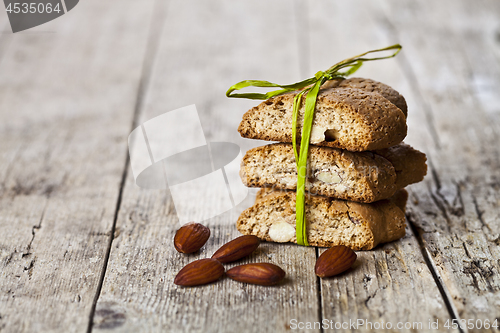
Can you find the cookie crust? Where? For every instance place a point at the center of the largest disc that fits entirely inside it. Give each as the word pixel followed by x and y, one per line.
pixel 372 86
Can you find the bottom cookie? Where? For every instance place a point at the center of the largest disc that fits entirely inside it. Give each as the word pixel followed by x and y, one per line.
pixel 330 222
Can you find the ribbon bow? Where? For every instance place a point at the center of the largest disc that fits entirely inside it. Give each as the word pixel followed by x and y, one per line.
pixel 309 87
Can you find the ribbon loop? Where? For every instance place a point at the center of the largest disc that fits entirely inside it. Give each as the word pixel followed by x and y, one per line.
pixel 310 88
pixel 319 75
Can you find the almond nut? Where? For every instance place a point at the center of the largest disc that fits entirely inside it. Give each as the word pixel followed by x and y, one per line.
pixel 329 177
pixel 199 272
pixel 281 232
pixel 237 249
pixel 317 134
pixel 264 274
pixel 334 261
pixel 191 237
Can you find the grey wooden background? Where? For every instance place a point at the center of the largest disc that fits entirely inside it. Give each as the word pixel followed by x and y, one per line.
pixel 82 248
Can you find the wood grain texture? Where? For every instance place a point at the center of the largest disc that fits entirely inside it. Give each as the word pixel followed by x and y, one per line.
pixel 386 284
pixel 200 56
pixel 72 89
pixel 65 111
pixel 455 210
pixel 385 287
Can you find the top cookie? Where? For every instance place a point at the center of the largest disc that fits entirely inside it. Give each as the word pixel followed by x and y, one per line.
pixel 345 117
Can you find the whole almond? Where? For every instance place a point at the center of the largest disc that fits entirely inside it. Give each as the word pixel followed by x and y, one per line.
pixel 334 261
pixel 237 249
pixel 264 274
pixel 199 272
pixel 191 237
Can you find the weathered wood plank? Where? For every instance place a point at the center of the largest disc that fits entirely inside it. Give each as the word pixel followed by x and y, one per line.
pixel 67 98
pixel 60 187
pixel 450 56
pixel 388 283
pixel 6 35
pixel 205 48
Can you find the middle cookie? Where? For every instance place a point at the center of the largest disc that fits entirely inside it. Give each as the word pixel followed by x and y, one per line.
pixel 356 176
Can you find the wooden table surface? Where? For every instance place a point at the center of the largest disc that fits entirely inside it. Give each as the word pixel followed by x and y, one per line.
pixel 82 248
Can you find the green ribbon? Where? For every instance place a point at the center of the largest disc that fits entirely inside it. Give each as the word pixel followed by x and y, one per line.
pixel 310 87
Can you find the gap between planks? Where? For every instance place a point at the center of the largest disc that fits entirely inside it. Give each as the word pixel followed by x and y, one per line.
pixel 302 23
pixel 158 18
pixel 151 51
pixel 409 73
pixel 445 294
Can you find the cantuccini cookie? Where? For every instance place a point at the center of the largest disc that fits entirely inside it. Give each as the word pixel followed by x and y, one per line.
pixel 330 222
pixel 345 117
pixel 362 176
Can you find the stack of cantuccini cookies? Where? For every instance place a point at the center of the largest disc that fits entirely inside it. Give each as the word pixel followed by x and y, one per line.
pixel 356 172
